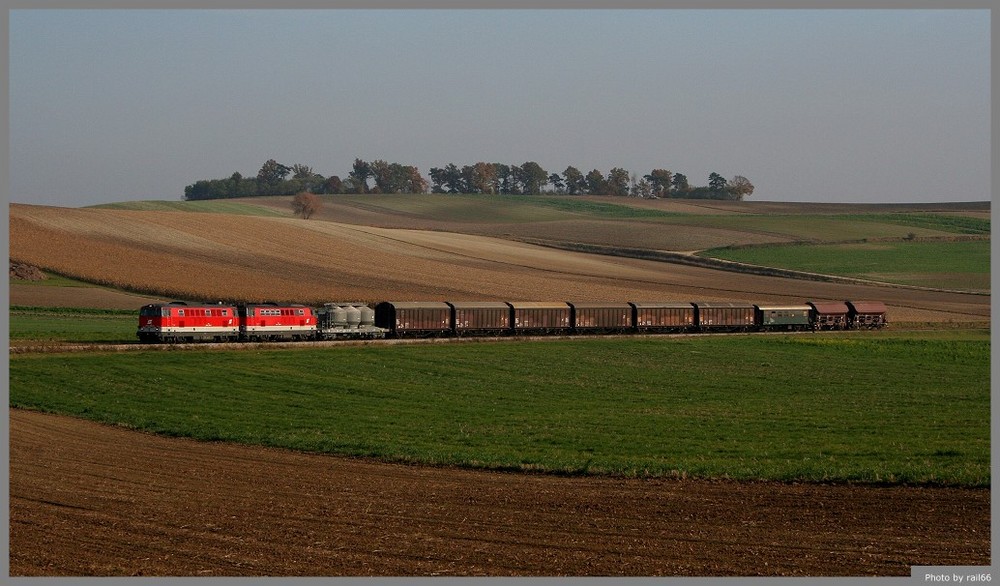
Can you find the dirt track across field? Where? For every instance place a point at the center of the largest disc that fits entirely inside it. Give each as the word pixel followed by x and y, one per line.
pixel 89 499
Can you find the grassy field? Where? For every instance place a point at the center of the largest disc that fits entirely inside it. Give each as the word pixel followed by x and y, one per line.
pixel 960 265
pixel 872 407
pixel 63 324
pixel 215 206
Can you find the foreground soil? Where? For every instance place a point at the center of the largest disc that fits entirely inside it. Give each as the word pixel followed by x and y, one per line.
pixel 89 499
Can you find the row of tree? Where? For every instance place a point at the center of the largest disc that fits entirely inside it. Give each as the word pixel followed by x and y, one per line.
pixel 491 178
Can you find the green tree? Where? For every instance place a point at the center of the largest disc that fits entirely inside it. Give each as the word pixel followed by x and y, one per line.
pixel 716 182
pixel 618 182
pixel 596 185
pixel 660 180
pixel 272 172
pixel 532 177
pixel 360 172
pixel 575 181
pixel 680 183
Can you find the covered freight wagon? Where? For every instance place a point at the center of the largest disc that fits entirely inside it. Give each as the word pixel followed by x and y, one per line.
pixel 829 315
pixel 601 317
pixel 480 317
pixel 729 316
pixel 539 317
pixel 866 314
pixel 427 318
pixel 657 316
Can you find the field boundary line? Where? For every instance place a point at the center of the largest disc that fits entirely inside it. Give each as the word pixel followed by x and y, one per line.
pixel 690 258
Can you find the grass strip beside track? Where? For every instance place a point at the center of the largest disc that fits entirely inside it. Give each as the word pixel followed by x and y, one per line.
pixel 878 408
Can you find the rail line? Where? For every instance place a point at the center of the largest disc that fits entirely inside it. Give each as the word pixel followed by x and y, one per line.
pixel 55 348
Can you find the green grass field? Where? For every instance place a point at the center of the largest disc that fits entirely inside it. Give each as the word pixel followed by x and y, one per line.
pixel 868 407
pixel 963 264
pixel 63 324
pixel 214 206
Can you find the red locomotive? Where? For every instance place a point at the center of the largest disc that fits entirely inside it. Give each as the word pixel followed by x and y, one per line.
pixel 179 322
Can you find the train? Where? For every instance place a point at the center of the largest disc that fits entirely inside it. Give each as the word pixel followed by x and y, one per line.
pixel 179 321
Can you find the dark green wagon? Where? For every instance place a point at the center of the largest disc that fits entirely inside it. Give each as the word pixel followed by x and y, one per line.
pixel 783 317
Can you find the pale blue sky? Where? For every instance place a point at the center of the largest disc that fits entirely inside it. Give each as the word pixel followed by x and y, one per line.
pixel 810 105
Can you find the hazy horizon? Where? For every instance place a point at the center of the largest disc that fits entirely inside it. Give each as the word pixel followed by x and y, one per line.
pixel 835 106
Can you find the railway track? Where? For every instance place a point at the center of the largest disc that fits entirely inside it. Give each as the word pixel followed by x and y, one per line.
pixel 56 347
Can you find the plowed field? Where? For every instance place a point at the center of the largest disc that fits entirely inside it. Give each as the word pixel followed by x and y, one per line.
pixel 87 499
pixel 214 256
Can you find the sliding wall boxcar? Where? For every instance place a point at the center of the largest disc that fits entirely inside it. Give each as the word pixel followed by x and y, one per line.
pixel 829 315
pixel 659 316
pixel 540 317
pixel 729 316
pixel 481 317
pixel 426 318
pixel 601 317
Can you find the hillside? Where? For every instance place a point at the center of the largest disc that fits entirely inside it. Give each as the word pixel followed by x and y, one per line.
pixel 375 252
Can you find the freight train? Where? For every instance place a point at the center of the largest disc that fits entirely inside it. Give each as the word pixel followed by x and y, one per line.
pixel 178 321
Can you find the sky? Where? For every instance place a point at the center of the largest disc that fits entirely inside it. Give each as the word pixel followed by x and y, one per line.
pixel 809 105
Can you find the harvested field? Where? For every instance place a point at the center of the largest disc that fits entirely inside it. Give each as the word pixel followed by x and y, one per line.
pixel 211 257
pixel 93 297
pixel 87 499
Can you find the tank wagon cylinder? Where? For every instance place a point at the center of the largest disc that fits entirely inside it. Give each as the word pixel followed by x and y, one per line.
pixel 338 316
pixel 353 316
pixel 367 316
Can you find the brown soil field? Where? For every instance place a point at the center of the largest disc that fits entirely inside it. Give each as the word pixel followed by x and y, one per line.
pixel 88 499
pixel 95 500
pixel 214 257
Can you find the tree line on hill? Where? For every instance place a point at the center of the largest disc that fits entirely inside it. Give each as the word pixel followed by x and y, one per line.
pixel 530 178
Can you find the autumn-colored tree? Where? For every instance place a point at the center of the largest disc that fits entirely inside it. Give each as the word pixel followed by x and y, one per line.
pixel 740 187
pixel 306 204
